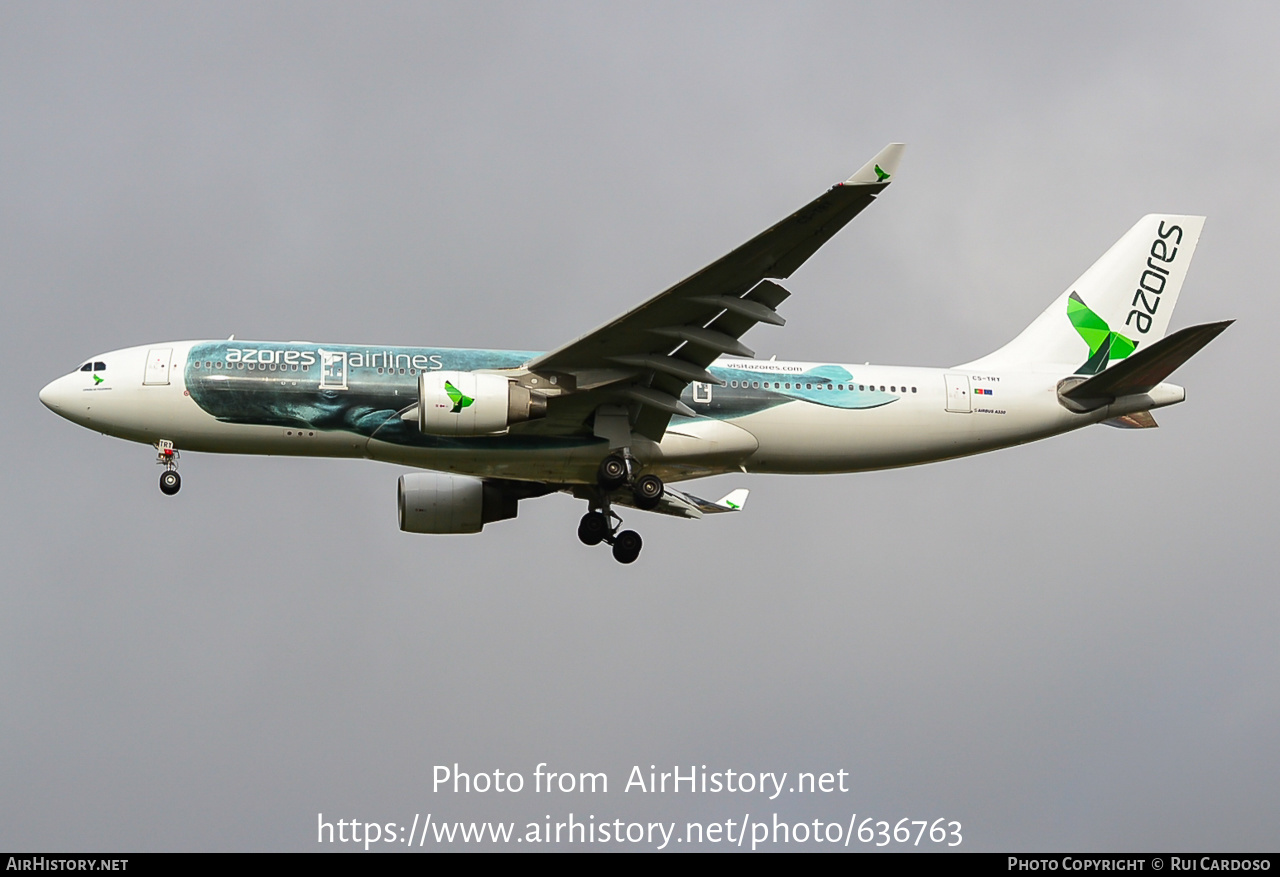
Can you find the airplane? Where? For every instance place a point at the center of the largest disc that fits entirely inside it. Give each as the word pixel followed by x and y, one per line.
pixel 663 394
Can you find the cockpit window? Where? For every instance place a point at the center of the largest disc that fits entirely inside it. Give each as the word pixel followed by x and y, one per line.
pixel 87 367
pixel 99 366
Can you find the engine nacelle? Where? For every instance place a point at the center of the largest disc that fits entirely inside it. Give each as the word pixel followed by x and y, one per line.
pixel 465 403
pixel 432 503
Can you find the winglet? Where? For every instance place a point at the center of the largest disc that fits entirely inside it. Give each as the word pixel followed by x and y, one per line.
pixel 881 168
pixel 734 501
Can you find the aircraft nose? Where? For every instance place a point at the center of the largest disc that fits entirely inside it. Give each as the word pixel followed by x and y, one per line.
pixel 51 397
pixel 60 396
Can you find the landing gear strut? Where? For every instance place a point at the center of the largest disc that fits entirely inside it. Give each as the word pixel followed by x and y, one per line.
pixel 166 456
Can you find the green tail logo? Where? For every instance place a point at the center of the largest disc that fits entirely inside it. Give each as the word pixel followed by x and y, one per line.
pixel 460 399
pixel 1104 345
pixel 881 175
pixel 96 380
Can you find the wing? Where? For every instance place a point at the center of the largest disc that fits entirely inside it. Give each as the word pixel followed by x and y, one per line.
pixel 642 361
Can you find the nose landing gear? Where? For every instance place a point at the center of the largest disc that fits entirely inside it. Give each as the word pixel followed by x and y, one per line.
pixel 166 456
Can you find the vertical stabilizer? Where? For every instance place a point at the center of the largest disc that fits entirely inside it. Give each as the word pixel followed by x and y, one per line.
pixel 1124 301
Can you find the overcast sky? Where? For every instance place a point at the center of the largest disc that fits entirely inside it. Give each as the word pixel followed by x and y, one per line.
pixel 1069 645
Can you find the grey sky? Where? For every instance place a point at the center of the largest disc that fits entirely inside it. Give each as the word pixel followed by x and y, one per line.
pixel 1067 645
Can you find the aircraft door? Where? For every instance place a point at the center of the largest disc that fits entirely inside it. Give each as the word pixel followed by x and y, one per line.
pixel 958 393
pixel 158 361
pixel 333 370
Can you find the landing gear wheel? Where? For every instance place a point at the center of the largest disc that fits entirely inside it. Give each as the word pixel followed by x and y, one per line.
pixel 626 546
pixel 648 491
pixel 170 482
pixel 593 528
pixel 612 473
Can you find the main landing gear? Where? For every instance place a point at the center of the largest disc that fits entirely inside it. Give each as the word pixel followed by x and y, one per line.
pixel 166 456
pixel 602 525
pixel 596 527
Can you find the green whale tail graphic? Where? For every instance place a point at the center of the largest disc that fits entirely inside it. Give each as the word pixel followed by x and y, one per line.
pixel 1104 345
pixel 459 399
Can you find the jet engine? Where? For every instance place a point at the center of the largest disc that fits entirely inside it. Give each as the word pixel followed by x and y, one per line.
pixel 465 403
pixel 437 503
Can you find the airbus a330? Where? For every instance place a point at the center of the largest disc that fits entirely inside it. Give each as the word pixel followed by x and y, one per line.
pixel 663 394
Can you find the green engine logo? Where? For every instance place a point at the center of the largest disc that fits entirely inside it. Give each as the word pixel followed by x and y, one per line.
pixel 460 399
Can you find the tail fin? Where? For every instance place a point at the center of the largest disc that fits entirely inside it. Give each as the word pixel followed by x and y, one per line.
pixel 1121 303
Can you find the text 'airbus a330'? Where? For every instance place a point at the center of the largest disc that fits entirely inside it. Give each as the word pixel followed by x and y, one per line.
pixel 664 393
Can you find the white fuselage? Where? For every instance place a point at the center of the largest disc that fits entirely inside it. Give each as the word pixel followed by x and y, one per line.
pixel 769 417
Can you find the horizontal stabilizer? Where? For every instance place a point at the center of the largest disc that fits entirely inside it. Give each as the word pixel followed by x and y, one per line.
pixel 734 501
pixel 675 502
pixel 1149 366
pixel 1137 420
